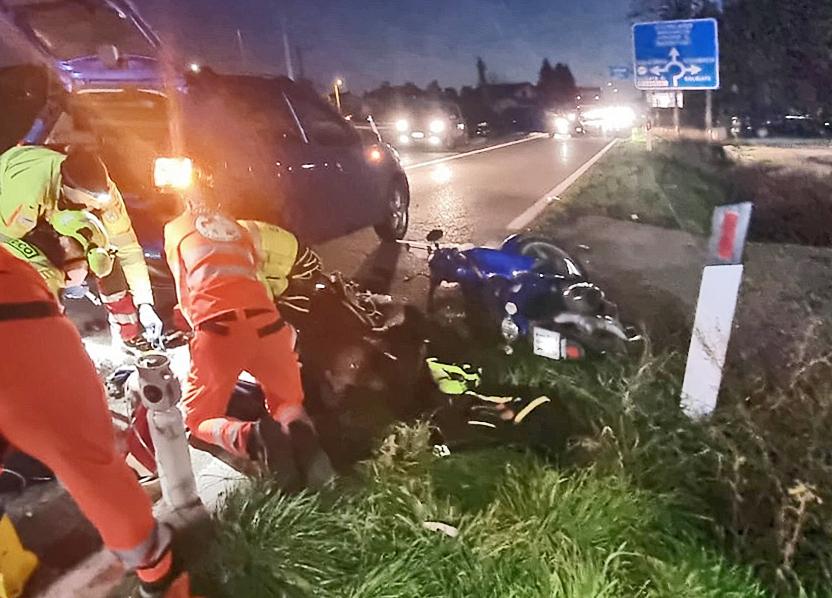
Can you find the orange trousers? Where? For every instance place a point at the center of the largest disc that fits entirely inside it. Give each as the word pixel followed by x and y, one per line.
pixel 218 359
pixel 53 407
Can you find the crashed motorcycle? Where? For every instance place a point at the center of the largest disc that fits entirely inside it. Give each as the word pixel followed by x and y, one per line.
pixel 362 356
pixel 529 291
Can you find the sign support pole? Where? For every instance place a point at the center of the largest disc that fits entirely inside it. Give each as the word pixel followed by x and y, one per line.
pixel 677 127
pixel 709 114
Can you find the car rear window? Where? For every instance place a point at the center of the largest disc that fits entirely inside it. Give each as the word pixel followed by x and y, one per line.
pixel 73 28
pixel 130 128
pixel 321 124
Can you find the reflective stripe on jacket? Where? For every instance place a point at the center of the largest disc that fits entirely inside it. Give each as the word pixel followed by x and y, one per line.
pixel 53 276
pixel 20 282
pixel 214 265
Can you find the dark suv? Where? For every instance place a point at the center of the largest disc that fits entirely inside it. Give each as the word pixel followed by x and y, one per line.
pixel 277 150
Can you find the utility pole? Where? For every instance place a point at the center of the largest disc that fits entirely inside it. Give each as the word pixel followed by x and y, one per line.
pixel 337 85
pixel 290 72
pixel 240 47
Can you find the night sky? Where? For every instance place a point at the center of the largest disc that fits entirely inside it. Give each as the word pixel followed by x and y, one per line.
pixel 370 41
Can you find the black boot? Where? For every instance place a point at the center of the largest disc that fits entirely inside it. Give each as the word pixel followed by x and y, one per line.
pixel 312 461
pixel 272 447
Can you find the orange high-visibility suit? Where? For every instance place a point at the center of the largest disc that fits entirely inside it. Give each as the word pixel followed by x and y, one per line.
pixel 62 419
pixel 237 328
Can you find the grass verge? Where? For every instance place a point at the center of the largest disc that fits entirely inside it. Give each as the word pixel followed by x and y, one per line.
pixel 676 186
pixel 524 529
pixel 679 183
pixel 635 501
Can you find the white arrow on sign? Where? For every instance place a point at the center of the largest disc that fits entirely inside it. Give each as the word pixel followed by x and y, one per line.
pixel 675 62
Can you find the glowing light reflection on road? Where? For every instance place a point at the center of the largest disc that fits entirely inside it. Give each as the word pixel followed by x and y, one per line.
pixel 564 151
pixel 442 174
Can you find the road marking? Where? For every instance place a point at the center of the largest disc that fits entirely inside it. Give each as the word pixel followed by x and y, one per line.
pixel 490 148
pixel 523 220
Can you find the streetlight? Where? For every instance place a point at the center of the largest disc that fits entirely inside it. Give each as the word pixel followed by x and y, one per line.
pixel 194 67
pixel 337 84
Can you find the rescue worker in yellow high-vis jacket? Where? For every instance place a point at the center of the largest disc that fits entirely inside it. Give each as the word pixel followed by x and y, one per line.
pixel 36 182
pixel 282 263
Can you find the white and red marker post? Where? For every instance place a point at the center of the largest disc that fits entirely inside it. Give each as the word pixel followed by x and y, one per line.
pixel 715 309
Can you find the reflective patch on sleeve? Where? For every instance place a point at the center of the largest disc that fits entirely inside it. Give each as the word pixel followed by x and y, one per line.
pixel 23 248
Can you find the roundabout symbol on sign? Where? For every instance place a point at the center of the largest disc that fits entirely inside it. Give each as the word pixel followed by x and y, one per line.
pixel 675 64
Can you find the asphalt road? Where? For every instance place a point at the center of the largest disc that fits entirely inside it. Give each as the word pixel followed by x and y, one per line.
pixel 471 195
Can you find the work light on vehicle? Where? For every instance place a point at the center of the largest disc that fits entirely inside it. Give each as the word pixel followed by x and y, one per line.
pixel 173 173
pixel 402 126
pixel 437 125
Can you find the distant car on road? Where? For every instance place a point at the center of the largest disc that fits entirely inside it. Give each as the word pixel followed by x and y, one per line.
pixel 617 120
pixel 794 126
pixel 564 124
pixel 522 119
pixel 280 152
pixel 423 123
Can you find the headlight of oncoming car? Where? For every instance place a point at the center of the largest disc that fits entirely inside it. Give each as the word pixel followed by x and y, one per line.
pixel 561 126
pixel 402 126
pixel 173 173
pixel 437 125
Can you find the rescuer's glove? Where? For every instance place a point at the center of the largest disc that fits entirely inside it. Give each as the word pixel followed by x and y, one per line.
pixel 151 322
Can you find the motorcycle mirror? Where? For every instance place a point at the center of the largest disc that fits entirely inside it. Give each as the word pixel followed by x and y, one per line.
pixel 435 235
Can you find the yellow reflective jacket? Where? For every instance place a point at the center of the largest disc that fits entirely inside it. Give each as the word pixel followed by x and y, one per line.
pixel 30 185
pixel 277 251
pixel 53 276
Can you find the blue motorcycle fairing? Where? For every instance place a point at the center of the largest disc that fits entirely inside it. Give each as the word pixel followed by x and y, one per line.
pixel 494 262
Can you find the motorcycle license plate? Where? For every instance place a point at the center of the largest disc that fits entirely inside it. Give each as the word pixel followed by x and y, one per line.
pixel 547 343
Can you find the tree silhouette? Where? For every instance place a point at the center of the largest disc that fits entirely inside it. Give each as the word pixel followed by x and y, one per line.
pixel 546 74
pixel 556 86
pixel 669 9
pixel 433 88
pixel 482 73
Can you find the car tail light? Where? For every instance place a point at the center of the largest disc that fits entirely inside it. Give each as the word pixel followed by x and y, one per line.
pixel 375 155
pixel 173 173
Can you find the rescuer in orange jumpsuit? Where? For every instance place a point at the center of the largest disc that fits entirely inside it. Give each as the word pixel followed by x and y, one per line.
pixel 238 328
pixel 62 420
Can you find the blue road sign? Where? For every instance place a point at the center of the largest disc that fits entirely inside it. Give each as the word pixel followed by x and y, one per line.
pixel 621 73
pixel 676 55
